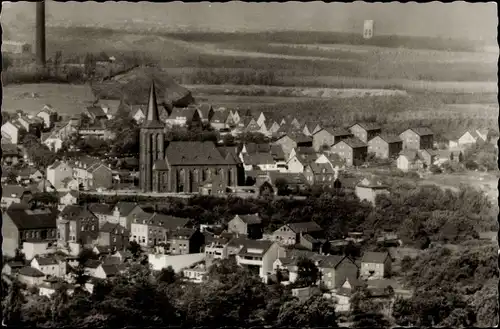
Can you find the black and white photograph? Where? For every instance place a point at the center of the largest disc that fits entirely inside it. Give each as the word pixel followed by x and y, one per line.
pixel 249 165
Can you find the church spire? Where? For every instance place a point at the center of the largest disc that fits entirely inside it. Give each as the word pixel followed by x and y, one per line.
pixel 152 117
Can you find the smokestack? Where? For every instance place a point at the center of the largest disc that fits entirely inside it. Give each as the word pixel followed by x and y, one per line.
pixel 40 33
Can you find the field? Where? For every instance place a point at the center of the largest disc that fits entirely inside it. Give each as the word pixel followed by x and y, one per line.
pixel 317 63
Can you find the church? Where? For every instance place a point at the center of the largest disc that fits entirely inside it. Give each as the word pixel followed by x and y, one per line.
pixel 181 167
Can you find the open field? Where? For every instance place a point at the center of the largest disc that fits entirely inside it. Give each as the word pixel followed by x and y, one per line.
pixel 310 64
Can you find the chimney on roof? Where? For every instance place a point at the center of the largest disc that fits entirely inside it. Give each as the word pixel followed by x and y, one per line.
pixel 40 33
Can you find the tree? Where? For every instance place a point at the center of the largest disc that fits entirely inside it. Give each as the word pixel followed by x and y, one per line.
pixel 12 314
pixel 364 312
pixel 460 157
pixel 135 249
pixel 308 273
pixel 282 186
pixel 57 61
pixel 316 311
pixel 167 275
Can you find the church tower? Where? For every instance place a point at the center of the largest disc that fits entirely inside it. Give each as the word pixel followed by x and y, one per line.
pixel 152 139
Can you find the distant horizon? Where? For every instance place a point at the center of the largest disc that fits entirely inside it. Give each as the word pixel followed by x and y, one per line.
pixel 457 20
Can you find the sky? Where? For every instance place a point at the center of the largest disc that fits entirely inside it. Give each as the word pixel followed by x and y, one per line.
pixel 450 20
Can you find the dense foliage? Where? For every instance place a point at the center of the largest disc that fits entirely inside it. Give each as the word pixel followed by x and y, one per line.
pixel 456 288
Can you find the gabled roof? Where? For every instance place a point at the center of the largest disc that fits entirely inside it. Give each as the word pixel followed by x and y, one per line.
pixel 277 153
pixel 290 178
pixel 258 159
pixel 111 269
pixel 251 219
pixel 26 219
pixel 317 168
pixel 374 257
pixel 114 228
pixel 187 113
pixel 30 272
pixel 101 208
pixel 330 261
pixel 249 246
pixel 230 154
pixel 337 132
pixel 166 221
pixel 257 148
pixel 96 111
pixel 368 126
pixel 304 227
pixel 204 110
pixel 220 116
pixel 182 233
pixel 389 138
pixel 10 149
pixel 76 212
pixel 103 249
pixel 92 263
pixel 353 142
pixel 45 261
pixel 14 191
pixel 125 208
pixel 194 153
pixel 421 131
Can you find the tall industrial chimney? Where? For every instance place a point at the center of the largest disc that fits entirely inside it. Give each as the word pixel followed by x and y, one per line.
pixel 40 33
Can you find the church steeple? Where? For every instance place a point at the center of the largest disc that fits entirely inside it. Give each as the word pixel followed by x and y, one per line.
pixel 152 118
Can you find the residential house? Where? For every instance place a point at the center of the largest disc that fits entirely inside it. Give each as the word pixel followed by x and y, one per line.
pixel 206 112
pixel 279 158
pixel 333 159
pixel 114 235
pixel 21 225
pixel 417 138
pixel 409 160
pixel 104 212
pixel 123 213
pixel 92 174
pixel 77 225
pixel 252 126
pixel 50 266
pixel 295 123
pixel 367 190
pixel 321 174
pixel 149 230
pixel 122 255
pixel 291 141
pixel 185 241
pixel 196 273
pixel 365 131
pixel 468 138
pixel 30 276
pixel 68 198
pixel 290 234
pixel 58 173
pixel 103 251
pixel 294 182
pixel 95 130
pixel 274 128
pixel 259 256
pixel 12 194
pixel 214 185
pixel 183 117
pixel 324 138
pixel 219 248
pixel 95 113
pixel 11 155
pixel 64 130
pixel 13 132
pixel 428 156
pixel 258 161
pixel 52 141
pixel 299 158
pixel 261 119
pixel 311 128
pixel 235 117
pixel 375 265
pixel 106 271
pixel 352 150
pixel 336 269
pixel 138 113
pixel 48 115
pixel 12 267
pixel 249 225
pixel 221 120
pixel 385 146
pixel 32 124
pixel 28 175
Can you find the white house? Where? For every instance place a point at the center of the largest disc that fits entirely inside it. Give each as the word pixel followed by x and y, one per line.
pixel 160 261
pixel 261 119
pixel 69 198
pixel 295 165
pixel 138 115
pixel 48 115
pixel 259 255
pixel 58 173
pixel 409 160
pixel 13 131
pixel 52 141
pixel 49 266
pixel 195 273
